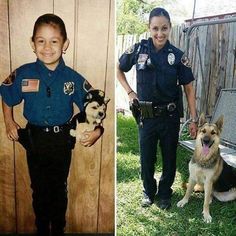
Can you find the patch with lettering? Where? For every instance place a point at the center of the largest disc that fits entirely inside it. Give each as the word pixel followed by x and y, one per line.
pixel 10 79
pixel 69 88
pixel 29 85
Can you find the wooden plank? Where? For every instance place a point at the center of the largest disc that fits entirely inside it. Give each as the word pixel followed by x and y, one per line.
pixel 91 44
pixel 106 214
pixel 24 13
pixel 67 14
pixel 7 177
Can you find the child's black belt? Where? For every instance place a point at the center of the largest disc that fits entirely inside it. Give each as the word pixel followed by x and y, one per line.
pixel 49 129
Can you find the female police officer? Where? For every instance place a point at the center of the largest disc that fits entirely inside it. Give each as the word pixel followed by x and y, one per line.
pixel 161 68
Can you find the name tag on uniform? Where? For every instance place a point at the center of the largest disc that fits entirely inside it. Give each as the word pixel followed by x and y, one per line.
pixel 30 85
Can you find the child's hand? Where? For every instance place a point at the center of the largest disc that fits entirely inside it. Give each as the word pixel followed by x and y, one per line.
pixel 11 130
pixel 90 137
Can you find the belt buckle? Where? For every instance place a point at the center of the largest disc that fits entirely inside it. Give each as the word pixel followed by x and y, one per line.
pixel 171 106
pixel 56 129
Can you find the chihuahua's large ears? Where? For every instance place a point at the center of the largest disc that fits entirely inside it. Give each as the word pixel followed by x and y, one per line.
pixel 106 100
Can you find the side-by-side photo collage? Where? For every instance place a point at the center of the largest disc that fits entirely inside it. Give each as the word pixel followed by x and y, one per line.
pixel 117 118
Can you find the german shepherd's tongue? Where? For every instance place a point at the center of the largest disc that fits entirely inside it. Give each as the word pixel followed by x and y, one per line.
pixel 205 149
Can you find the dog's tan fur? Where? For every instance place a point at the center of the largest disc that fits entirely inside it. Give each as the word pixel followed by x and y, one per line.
pixel 206 164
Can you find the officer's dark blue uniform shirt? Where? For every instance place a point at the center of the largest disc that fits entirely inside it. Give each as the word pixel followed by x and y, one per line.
pixel 48 95
pixel 158 72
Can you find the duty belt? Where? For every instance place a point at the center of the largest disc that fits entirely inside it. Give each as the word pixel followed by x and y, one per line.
pixel 49 129
pixel 145 109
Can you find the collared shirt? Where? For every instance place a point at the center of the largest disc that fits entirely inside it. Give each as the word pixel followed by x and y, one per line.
pixel 48 95
pixel 162 71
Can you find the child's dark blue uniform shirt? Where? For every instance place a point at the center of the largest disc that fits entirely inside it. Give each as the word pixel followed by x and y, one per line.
pixel 158 72
pixel 48 95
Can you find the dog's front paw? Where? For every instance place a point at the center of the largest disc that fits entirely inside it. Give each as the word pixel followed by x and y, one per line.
pixel 207 217
pixel 182 202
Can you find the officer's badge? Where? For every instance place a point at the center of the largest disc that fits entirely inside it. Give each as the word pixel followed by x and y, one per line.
pixel 171 58
pixel 185 61
pixel 129 50
pixel 10 79
pixel 86 86
pixel 69 88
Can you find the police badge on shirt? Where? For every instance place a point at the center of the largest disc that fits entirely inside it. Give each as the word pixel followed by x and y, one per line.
pixel 69 88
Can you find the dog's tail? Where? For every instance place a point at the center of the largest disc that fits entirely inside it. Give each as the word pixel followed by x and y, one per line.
pixel 225 196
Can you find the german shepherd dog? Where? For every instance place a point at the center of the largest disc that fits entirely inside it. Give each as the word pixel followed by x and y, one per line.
pixel 95 106
pixel 206 165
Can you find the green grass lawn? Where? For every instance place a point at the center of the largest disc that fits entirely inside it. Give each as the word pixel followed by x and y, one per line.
pixel 132 219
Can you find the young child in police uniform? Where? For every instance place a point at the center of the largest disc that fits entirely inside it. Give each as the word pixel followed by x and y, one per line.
pixel 49 88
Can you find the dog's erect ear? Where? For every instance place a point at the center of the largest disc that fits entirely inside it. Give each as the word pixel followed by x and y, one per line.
pixel 106 100
pixel 202 120
pixel 219 122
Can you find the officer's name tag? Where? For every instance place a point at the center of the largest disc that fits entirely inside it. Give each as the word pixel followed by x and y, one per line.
pixel 30 85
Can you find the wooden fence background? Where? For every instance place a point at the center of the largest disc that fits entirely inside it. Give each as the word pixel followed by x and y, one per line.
pixel 90 28
pixel 217 51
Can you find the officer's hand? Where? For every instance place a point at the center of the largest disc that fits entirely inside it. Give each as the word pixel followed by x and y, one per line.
pixel 11 130
pixel 133 96
pixel 193 129
pixel 90 137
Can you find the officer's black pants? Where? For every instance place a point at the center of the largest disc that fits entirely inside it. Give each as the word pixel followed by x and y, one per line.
pixel 164 130
pixel 49 164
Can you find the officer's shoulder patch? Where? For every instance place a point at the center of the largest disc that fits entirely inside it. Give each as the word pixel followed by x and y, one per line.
pixel 185 61
pixel 130 49
pixel 10 79
pixel 69 87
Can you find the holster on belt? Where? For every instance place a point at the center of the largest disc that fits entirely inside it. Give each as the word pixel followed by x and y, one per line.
pixel 141 110
pixel 135 109
pixel 146 109
pixel 25 138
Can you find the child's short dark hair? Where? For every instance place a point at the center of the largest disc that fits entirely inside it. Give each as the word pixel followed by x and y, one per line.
pixel 159 12
pixel 53 20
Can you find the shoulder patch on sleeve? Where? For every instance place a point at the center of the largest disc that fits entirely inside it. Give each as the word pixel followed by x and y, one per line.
pixel 130 50
pixel 185 61
pixel 10 79
pixel 87 86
